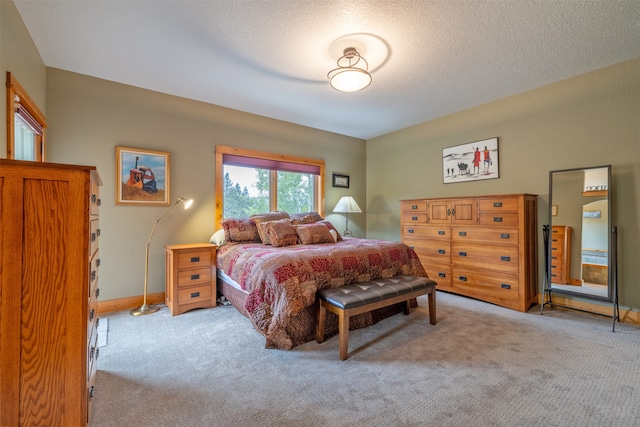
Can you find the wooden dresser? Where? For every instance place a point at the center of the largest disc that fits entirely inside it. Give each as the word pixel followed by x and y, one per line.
pixel 560 254
pixel 190 276
pixel 483 247
pixel 48 292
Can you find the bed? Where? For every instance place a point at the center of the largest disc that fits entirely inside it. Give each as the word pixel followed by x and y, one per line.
pixel 275 285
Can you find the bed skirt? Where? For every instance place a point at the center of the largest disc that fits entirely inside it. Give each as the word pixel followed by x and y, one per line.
pixel 301 328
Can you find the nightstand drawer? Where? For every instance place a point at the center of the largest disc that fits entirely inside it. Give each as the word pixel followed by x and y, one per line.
pixel 194 259
pixel 190 276
pixel 194 277
pixel 194 294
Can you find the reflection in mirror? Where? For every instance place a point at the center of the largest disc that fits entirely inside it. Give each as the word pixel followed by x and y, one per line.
pixel 580 232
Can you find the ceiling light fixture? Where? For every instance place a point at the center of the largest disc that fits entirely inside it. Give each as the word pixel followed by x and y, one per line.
pixel 352 73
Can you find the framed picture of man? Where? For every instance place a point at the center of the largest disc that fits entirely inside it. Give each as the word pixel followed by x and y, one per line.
pixel 142 177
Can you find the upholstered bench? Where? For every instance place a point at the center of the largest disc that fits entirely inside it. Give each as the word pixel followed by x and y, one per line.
pixel 349 300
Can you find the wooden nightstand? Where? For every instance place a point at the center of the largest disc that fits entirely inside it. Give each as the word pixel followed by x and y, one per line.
pixel 190 276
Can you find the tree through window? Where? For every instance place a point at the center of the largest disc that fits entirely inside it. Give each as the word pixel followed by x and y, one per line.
pixel 250 182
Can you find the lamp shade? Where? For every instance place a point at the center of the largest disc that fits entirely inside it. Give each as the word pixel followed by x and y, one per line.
pixel 347 204
pixel 352 73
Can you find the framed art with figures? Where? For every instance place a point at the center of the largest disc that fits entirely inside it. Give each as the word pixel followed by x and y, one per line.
pixel 473 161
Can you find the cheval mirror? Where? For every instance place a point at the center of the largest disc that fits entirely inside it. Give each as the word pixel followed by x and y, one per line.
pixel 580 242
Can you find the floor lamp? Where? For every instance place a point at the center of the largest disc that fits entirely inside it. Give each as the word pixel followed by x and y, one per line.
pixel 347 205
pixel 146 308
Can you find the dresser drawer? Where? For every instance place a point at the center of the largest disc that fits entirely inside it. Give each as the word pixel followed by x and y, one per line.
pixel 485 235
pixel 194 259
pixel 194 276
pixel 94 237
pixel 194 294
pixel 485 283
pixel 94 271
pixel 426 232
pixel 495 257
pixel 439 273
pixel 507 219
pixel 432 250
pixel 414 217
pixel 92 352
pixel 92 316
pixel 414 206
pixel 498 204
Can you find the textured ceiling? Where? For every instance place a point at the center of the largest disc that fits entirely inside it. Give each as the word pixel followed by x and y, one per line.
pixel 429 58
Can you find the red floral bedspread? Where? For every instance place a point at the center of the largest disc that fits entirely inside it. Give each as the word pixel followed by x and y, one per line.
pixel 281 281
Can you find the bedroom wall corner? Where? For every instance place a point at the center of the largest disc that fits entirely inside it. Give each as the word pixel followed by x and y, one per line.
pixel 588 120
pixel 19 55
pixel 89 117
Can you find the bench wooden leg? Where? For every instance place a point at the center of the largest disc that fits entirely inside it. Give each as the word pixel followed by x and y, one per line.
pixel 343 331
pixel 432 307
pixel 321 314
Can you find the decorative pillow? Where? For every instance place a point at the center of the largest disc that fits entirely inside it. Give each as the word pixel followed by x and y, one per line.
pixel 217 238
pixel 281 233
pixel 265 217
pixel 240 230
pixel 330 226
pixel 311 234
pixel 307 217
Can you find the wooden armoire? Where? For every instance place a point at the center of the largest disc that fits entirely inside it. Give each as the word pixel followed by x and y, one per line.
pixel 48 292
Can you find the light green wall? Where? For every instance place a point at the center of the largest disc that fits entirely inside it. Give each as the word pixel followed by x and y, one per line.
pixel 589 120
pixel 89 117
pixel 584 121
pixel 18 54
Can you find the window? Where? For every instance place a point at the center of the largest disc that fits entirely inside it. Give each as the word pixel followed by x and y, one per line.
pixel 249 182
pixel 25 124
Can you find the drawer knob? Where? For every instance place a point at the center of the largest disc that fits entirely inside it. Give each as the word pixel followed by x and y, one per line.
pixel 462 253
pixel 462 233
pixel 442 274
pixel 93 275
pixel 463 278
pixel 505 258
pixel 505 236
pixel 441 232
pixel 414 206
pixel 97 293
pixel 195 259
pixel 195 294
pixel 497 205
pixel 93 237
pixel 441 251
pixel 414 218
pixel 195 276
pixel 497 219
pixel 505 286
pixel 92 313
pixel 410 231
pixel 91 393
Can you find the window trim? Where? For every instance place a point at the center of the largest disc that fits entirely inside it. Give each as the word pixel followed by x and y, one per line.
pixel 221 150
pixel 15 89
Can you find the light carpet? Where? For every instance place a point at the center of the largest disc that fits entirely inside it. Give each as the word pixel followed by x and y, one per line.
pixel 481 365
pixel 103 328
